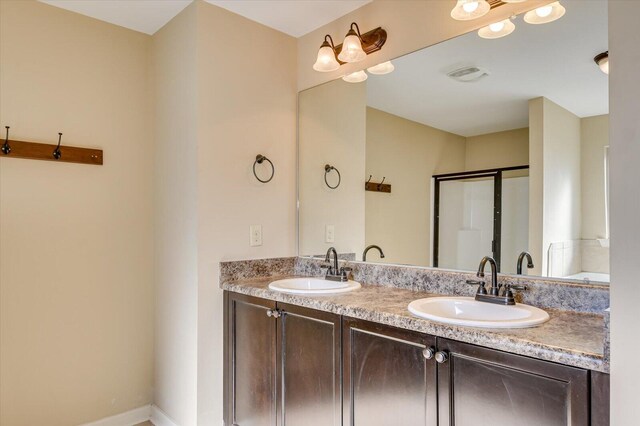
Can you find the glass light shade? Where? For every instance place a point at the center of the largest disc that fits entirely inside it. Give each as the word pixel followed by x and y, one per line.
pixel 603 62
pixel 381 69
pixel 352 48
pixel 545 14
pixel 326 61
pixel 497 29
pixel 355 77
pixel 470 9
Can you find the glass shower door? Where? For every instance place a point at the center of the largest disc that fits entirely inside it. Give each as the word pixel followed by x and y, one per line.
pixel 465 221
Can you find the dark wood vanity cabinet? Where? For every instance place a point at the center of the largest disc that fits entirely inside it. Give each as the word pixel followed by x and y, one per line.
pixel 288 365
pixel 387 377
pixel 282 364
pixel 483 386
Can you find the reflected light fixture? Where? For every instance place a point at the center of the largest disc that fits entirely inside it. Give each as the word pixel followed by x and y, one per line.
pixel 326 61
pixel 352 46
pixel 545 14
pixel 356 77
pixel 497 29
pixel 603 61
pixel 470 9
pixel 381 69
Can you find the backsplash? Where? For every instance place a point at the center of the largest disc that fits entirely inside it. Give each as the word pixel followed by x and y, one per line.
pixel 540 292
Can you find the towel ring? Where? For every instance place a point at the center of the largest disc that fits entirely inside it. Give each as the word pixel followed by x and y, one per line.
pixel 259 160
pixel 327 169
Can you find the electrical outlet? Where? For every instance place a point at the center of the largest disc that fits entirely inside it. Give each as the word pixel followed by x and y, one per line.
pixel 330 234
pixel 255 232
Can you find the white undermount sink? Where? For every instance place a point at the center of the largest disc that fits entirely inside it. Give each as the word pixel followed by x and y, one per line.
pixel 469 312
pixel 313 286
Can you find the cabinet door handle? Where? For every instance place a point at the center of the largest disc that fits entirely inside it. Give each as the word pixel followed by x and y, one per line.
pixel 273 313
pixel 428 353
pixel 442 357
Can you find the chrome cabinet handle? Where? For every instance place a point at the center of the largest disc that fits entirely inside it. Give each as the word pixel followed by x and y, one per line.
pixel 428 353
pixel 442 357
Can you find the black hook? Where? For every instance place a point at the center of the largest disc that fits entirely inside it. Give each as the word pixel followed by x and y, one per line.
pixel 259 160
pixel 380 184
pixel 6 148
pixel 370 176
pixel 327 169
pixel 56 152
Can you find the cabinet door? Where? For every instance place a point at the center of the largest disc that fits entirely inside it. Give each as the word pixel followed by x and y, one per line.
pixel 505 390
pixel 250 360
pixel 387 378
pixel 309 367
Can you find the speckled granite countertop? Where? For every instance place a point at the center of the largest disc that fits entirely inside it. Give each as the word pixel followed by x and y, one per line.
pixel 570 338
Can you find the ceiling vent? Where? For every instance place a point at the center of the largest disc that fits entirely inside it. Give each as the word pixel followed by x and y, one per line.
pixel 468 74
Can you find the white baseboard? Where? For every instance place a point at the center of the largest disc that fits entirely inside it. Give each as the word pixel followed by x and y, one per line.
pixel 160 418
pixel 129 418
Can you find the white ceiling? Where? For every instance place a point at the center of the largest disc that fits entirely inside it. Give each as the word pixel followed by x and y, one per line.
pixel 553 60
pixel 145 16
pixel 293 17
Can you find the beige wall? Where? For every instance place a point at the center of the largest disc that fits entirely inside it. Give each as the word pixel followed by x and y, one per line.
pixel 411 25
pixel 624 39
pixel 407 154
pixel 332 130
pixel 176 223
pixel 245 107
pixel 76 291
pixel 555 182
pixel 501 149
pixel 594 137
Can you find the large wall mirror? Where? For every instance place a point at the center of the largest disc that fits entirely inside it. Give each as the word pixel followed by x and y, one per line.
pixel 486 147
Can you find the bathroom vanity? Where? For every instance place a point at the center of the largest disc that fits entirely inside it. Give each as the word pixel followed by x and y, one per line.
pixel 361 358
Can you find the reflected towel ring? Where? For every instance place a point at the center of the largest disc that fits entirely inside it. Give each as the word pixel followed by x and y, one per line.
pixel 327 169
pixel 6 148
pixel 56 152
pixel 259 160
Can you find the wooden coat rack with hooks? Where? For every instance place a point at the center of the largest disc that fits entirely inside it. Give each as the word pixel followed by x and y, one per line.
pixel 49 152
pixel 377 187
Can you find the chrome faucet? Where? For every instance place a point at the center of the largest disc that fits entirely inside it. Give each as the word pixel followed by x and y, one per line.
pixel 495 295
pixel 521 259
pixel 335 273
pixel 373 246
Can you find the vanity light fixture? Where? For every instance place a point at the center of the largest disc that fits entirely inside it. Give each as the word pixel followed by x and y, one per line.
pixel 355 48
pixel 355 77
pixel 352 46
pixel 497 29
pixel 545 14
pixel 326 61
pixel 466 10
pixel 381 69
pixel 603 61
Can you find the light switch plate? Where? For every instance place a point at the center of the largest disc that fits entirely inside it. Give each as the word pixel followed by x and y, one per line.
pixel 255 232
pixel 330 234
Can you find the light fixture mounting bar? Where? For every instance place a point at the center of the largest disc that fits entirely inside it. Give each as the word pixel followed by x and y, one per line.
pixel 372 41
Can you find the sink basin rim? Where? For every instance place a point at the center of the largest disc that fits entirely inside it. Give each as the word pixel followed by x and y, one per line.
pixel 528 316
pixel 306 286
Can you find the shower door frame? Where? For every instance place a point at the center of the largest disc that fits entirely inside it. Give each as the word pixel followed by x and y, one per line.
pixel 496 174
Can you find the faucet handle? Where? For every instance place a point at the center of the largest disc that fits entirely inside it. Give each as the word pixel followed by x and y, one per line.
pixel 481 286
pixel 516 287
pixel 344 271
